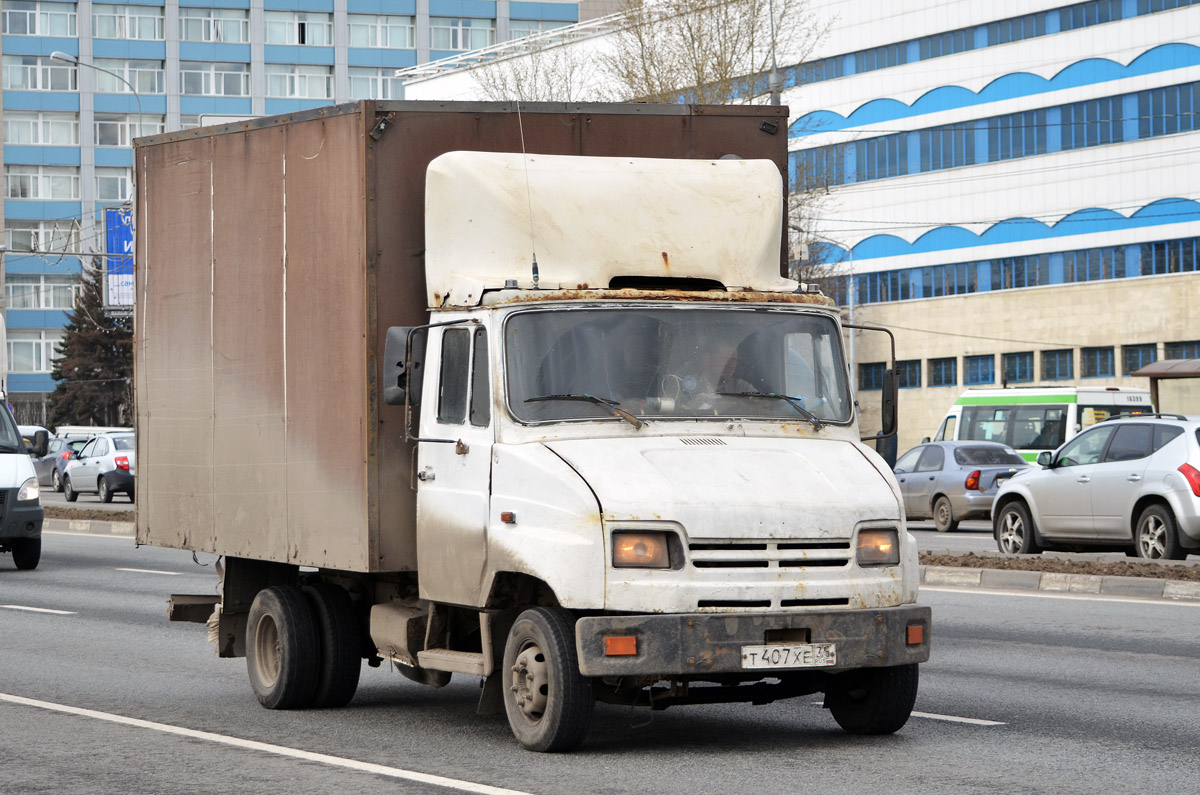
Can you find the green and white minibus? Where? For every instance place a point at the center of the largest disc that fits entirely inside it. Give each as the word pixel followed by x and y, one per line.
pixel 1036 418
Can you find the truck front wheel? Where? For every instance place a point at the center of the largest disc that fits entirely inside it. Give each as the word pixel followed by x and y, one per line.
pixel 873 700
pixel 27 552
pixel 549 703
pixel 281 648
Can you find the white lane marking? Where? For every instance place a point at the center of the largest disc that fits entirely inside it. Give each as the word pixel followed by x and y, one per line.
pixel 1077 597
pixel 116 536
pixel 278 750
pixel 956 719
pixel 151 571
pixel 39 610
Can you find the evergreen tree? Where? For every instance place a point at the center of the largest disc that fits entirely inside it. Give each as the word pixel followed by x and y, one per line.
pixel 95 367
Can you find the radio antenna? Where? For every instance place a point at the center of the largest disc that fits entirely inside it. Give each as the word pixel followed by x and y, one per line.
pixel 528 194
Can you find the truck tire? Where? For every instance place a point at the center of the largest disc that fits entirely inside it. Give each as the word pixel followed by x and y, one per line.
pixel 943 515
pixel 1156 537
pixel 1014 530
pixel 27 552
pixel 873 700
pixel 339 643
pixel 281 648
pixel 69 492
pixel 549 703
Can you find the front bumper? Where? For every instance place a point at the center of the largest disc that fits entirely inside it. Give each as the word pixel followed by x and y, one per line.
pixel 711 643
pixel 20 521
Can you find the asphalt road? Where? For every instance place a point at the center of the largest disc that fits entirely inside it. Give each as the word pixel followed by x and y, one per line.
pixel 1025 693
pixel 121 502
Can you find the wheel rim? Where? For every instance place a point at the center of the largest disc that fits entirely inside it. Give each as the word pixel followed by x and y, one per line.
pixel 57 481
pixel 267 654
pixel 1152 537
pixel 530 682
pixel 1012 532
pixel 942 513
pixel 102 489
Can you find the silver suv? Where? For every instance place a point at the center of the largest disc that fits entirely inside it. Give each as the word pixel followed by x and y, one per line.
pixel 1131 484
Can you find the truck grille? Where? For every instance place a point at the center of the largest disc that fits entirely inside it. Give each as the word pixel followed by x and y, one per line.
pixel 770 555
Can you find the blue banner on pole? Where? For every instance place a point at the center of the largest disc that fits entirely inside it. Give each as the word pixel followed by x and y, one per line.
pixel 119 272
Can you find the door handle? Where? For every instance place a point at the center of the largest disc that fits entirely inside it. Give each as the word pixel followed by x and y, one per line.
pixel 1134 478
pixel 1084 479
pixel 426 475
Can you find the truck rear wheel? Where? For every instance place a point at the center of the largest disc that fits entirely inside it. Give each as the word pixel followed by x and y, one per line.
pixel 339 643
pixel 549 703
pixel 873 700
pixel 281 648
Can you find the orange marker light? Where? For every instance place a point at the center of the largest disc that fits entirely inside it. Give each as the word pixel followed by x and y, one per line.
pixel 916 634
pixel 621 646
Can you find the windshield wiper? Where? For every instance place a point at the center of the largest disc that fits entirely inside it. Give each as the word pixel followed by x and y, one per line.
pixel 795 402
pixel 611 405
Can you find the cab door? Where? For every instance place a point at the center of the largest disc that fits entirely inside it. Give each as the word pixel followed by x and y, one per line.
pixel 454 454
pixel 1062 495
pixel 1117 481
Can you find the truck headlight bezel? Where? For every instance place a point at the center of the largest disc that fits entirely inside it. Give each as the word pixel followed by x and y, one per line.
pixel 29 491
pixel 643 549
pixel 877 546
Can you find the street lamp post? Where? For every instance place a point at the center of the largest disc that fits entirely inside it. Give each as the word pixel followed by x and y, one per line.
pixel 58 55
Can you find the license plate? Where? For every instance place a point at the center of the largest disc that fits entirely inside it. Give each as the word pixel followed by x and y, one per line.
pixel 794 655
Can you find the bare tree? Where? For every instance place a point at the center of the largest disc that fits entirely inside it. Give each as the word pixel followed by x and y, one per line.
pixel 548 71
pixel 706 51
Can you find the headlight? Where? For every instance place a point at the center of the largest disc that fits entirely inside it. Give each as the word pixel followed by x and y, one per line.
pixel 29 491
pixel 640 551
pixel 878 547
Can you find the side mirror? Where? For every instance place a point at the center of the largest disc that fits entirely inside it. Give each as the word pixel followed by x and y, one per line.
pixel 1045 458
pixel 403 366
pixel 890 392
pixel 924 440
pixel 41 441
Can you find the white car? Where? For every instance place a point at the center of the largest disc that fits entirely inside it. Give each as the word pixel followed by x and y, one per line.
pixel 1131 484
pixel 105 466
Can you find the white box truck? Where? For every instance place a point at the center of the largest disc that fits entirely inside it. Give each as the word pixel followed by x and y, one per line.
pixel 513 392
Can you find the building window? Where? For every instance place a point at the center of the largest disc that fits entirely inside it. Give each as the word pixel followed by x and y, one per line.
pixel 980 370
pixel 1058 365
pixel 1171 256
pixel 1092 264
pixel 948 147
pixel 41 292
pixel 382 30
pixel 908 374
pixel 230 25
pixel 119 129
pixel 50 237
pixel 38 73
pixel 1017 135
pixel 299 27
pixel 454 33
pixel 214 79
pixel 45 128
pixel 41 182
pixel 1138 356
pixel 520 28
pixel 127 22
pixel 1018 367
pixel 1182 350
pixel 1097 363
pixel 1093 123
pixel 870 376
pixel 146 77
pixel 26 18
pixel 113 184
pixel 299 81
pixel 943 372
pixel 370 82
pixel 33 351
pixel 1168 110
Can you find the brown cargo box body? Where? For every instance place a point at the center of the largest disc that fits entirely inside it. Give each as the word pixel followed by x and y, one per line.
pixel 272 256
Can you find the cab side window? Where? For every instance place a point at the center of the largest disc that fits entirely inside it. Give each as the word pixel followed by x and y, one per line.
pixel 452 387
pixel 931 460
pixel 88 449
pixel 481 393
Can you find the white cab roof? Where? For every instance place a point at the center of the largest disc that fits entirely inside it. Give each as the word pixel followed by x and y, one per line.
pixel 594 218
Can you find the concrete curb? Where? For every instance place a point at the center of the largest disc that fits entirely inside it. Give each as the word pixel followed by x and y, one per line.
pixel 121 529
pixel 1011 580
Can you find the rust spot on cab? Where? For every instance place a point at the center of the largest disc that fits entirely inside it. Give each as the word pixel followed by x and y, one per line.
pixel 624 294
pixel 666 260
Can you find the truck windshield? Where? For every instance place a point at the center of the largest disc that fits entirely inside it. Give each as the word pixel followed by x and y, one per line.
pixel 675 363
